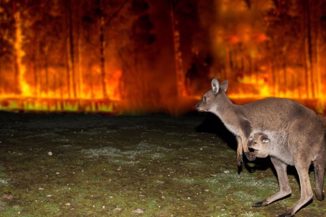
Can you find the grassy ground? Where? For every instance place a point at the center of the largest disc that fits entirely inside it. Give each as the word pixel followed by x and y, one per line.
pixel 155 165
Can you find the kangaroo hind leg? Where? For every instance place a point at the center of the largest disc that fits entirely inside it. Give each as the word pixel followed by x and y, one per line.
pixel 319 167
pixel 283 181
pixel 306 193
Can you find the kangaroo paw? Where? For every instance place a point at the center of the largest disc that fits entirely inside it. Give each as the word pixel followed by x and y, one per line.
pixel 239 160
pixel 320 197
pixel 250 156
pixel 239 163
pixel 260 203
pixel 286 214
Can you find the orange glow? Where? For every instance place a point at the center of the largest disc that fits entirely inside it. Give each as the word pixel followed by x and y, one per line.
pixel 24 86
pixel 143 58
pixel 261 37
pixel 114 88
pixel 260 88
pixel 233 39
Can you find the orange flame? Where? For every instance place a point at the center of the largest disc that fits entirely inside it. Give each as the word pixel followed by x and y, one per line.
pixel 24 86
pixel 237 44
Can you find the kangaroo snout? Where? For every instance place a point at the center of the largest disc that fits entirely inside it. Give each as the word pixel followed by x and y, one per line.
pixel 199 107
pixel 251 144
pixel 251 149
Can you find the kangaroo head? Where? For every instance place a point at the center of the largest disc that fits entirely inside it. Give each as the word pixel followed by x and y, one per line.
pixel 260 144
pixel 214 97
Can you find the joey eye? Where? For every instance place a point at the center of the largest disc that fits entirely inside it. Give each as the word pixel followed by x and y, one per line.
pixel 265 140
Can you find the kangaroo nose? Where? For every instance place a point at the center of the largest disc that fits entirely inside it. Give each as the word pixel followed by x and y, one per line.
pixel 251 149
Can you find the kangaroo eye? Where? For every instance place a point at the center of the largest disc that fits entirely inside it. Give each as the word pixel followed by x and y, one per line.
pixel 204 99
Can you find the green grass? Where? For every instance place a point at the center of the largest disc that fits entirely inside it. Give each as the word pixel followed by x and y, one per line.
pixel 153 166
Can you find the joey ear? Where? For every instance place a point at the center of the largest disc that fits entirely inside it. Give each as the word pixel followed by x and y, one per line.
pixel 215 86
pixel 224 85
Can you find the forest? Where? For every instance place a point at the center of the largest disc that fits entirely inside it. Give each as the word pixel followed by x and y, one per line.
pixel 150 55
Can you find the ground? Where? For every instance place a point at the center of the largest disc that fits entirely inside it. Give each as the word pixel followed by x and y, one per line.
pixel 150 165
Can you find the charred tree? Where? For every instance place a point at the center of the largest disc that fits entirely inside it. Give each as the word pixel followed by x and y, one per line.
pixel 71 48
pixel 308 46
pixel 311 26
pixel 178 58
pixel 105 16
pixel 9 73
pixel 101 17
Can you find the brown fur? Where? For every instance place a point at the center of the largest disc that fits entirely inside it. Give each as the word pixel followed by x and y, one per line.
pixel 298 133
pixel 231 115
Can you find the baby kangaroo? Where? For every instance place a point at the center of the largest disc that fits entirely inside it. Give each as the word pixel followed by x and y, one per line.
pixel 299 152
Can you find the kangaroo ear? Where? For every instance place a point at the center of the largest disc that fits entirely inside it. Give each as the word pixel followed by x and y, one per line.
pixel 215 86
pixel 224 85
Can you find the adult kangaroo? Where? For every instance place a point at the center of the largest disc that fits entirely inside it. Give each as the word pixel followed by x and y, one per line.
pixel 303 129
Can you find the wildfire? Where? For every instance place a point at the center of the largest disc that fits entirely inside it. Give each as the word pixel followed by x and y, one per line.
pixel 114 91
pixel 75 57
pixel 259 85
pixel 24 86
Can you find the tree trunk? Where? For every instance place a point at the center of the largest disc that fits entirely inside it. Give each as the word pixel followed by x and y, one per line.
pixel 180 74
pixel 68 67
pixel 315 7
pixel 102 55
pixel 46 66
pixel 78 55
pixel 71 49
pixel 309 48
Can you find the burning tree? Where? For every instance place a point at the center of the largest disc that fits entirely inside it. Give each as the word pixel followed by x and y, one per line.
pixel 150 55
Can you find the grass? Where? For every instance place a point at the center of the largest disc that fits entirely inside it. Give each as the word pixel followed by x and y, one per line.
pixel 155 166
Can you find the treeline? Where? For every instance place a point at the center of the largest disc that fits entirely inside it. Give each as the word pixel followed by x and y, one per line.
pixel 149 51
